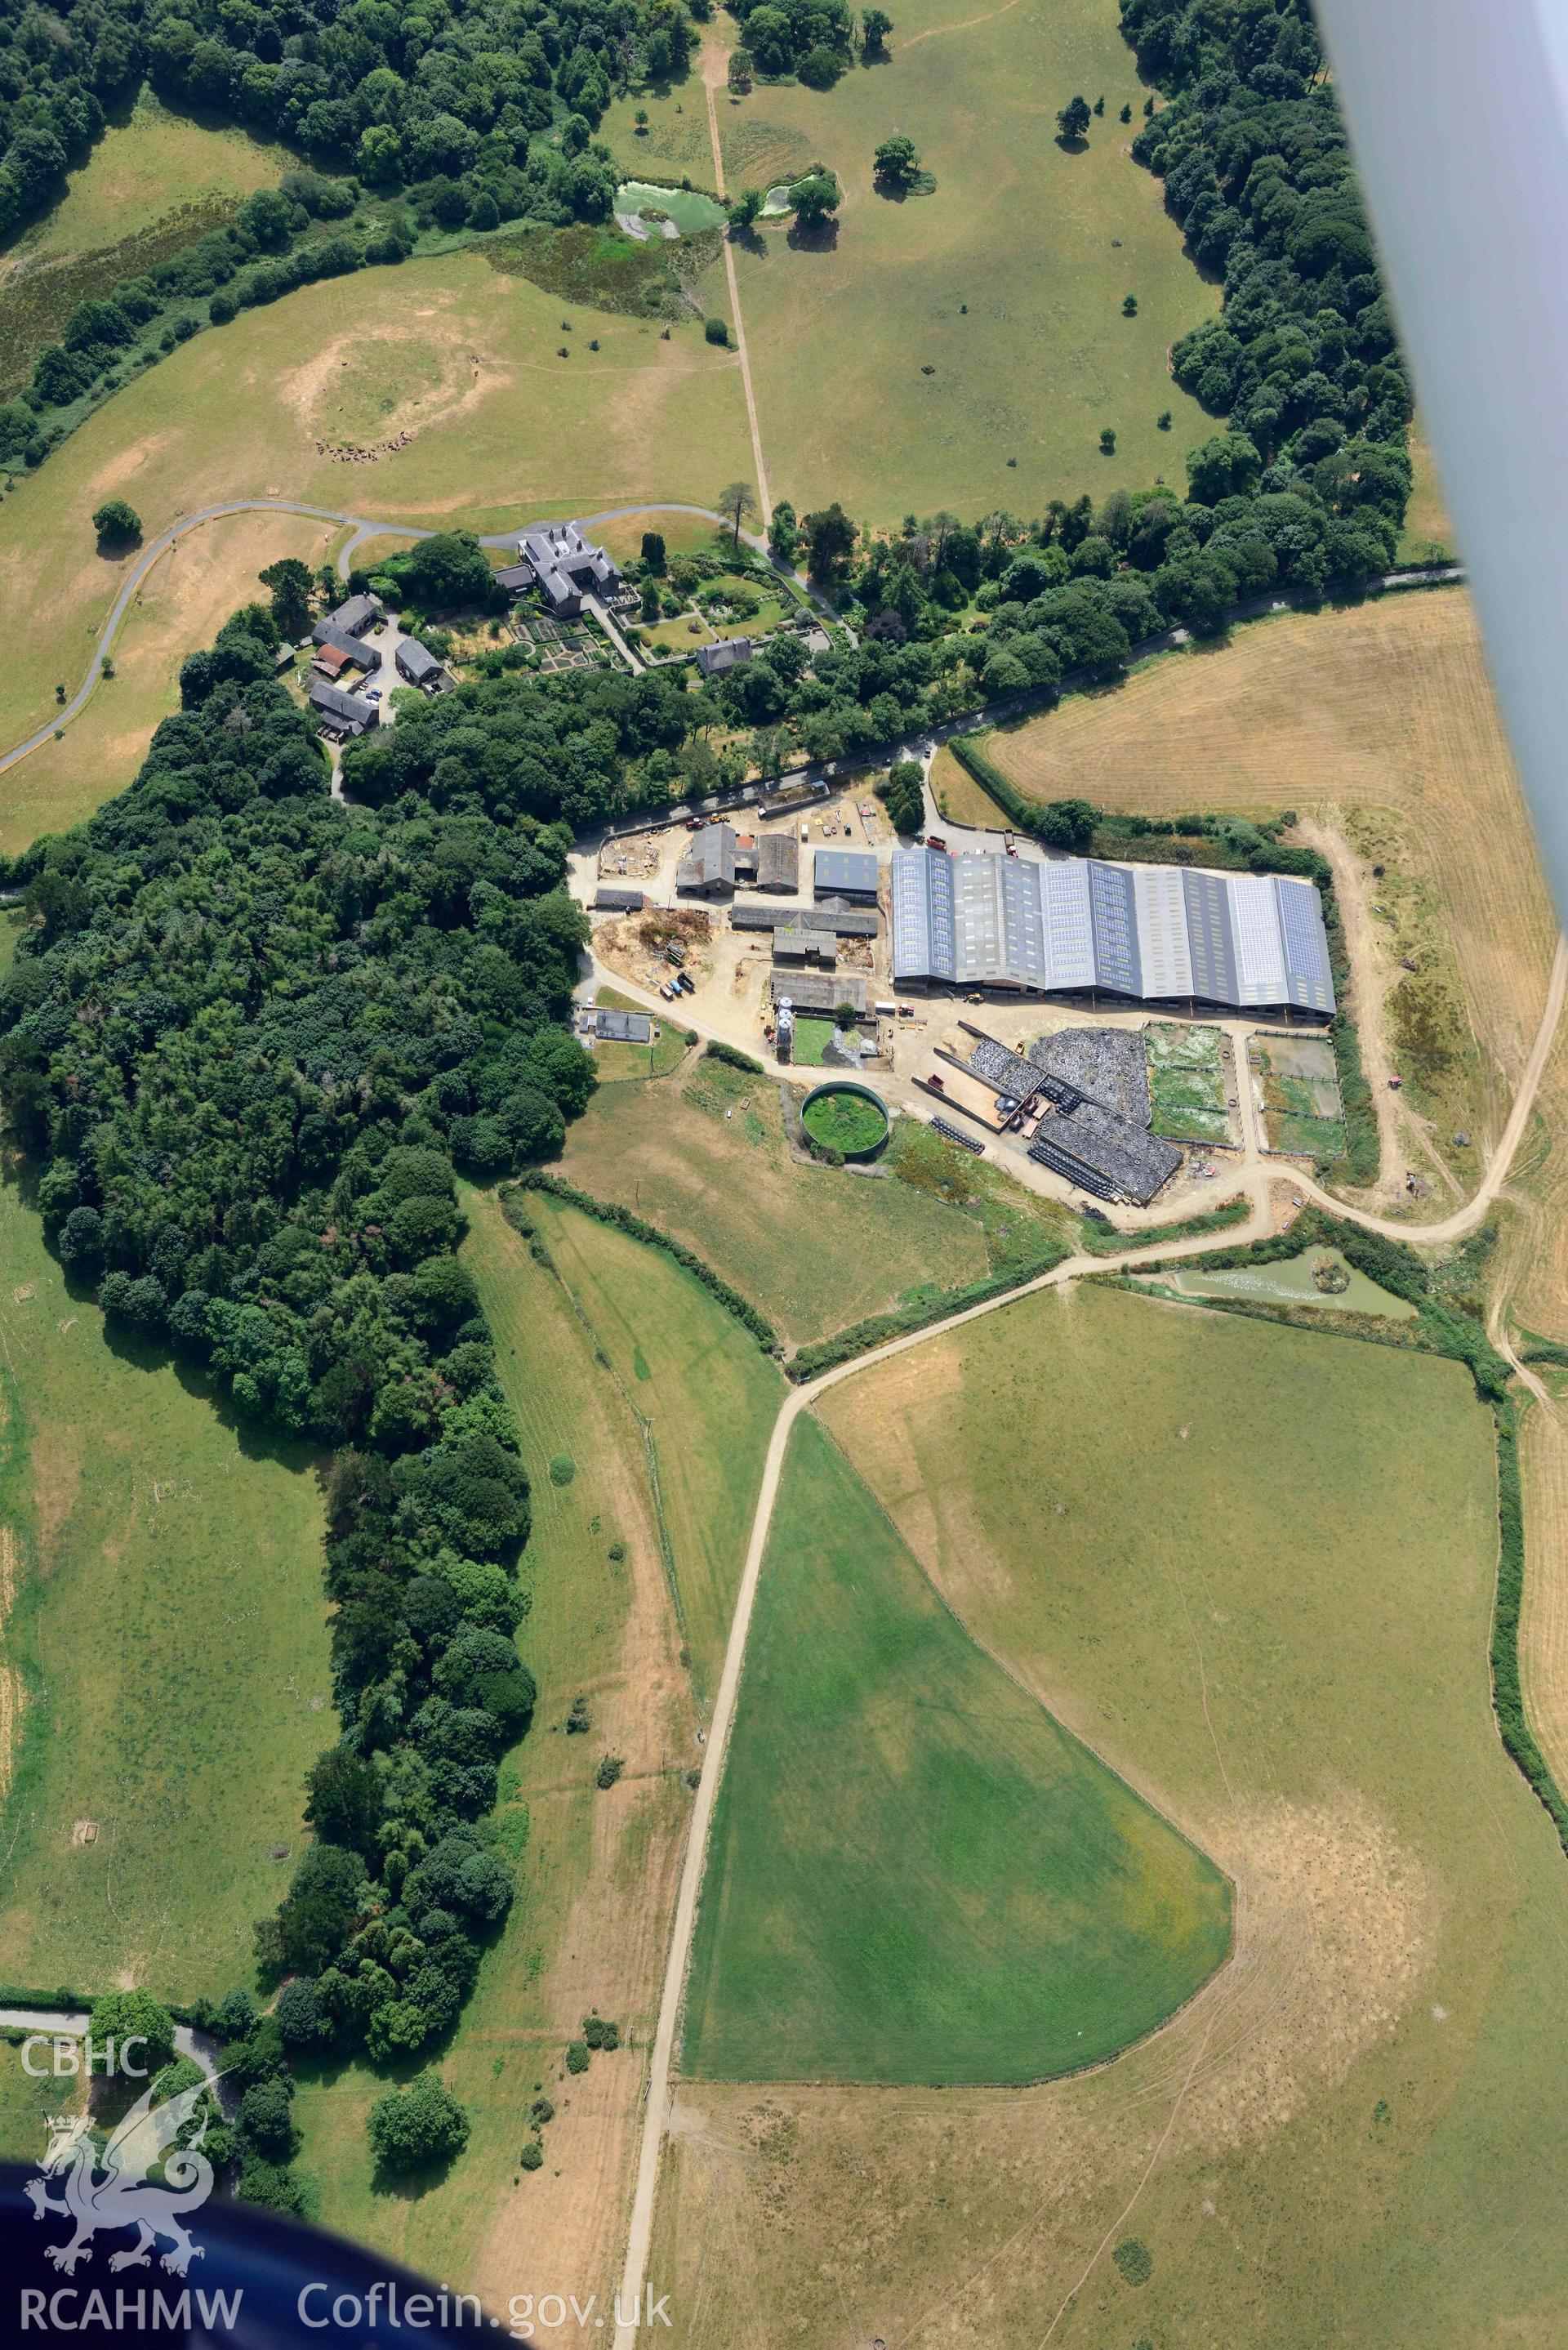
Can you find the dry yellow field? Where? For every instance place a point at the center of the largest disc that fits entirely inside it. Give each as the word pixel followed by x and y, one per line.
pixel 1385 706
pixel 190 590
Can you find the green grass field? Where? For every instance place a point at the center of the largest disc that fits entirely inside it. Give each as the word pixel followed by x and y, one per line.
pixel 593 1872
pixel 813 1247
pixel 169 1627
pixel 916 1874
pixel 153 184
pixel 1007 282
pixel 1256 1565
pixel 707 1394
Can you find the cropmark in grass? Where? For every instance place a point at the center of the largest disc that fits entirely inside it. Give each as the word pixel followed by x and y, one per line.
pixel 916 1874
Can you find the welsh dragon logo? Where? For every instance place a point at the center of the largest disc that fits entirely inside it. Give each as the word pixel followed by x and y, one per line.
pixel 118 2194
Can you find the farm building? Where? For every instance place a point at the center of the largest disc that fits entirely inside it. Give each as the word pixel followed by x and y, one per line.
pixel 798 945
pixel 778 861
pixel 619 901
pixel 331 660
pixel 1094 1144
pixel 708 867
pixel 714 660
pixel 844 922
pixel 348 620
pixel 344 715
pixel 1154 933
pixel 416 665
pixel 821 991
pixel 613 1027
pixel 846 873
pixel 564 565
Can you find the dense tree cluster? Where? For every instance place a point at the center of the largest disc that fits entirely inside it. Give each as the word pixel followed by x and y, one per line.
pixel 580 746
pixel 244 1037
pixel 454 88
pixel 1253 153
pixel 810 39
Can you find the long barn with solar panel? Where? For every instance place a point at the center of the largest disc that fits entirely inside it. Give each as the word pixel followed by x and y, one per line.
pixel 1075 925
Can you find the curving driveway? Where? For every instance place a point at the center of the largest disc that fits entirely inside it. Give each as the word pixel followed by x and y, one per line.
pixel 364 527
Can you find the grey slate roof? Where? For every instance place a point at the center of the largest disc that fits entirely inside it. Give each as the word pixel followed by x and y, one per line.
pixel 351 618
pixel 566 564
pixel 709 862
pixel 416 662
pixel 623 1027
pixel 344 709
pixel 618 901
pixel 844 922
pixel 714 660
pixel 844 872
pixel 778 860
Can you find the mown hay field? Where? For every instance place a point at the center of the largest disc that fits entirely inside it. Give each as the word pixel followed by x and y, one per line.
pixel 915 1873
pixel 1254 1568
pixel 167 1639
pixel 1006 281
pixel 456 353
pixel 594 1870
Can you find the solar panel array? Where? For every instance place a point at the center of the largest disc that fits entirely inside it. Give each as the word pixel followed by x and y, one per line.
pixel 1151 931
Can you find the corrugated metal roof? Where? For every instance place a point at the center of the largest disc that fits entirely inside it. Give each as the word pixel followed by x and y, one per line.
pixel 1152 932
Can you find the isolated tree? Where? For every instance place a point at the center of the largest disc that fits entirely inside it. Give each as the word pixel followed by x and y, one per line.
pixel 640 119
pixel 1107 440
pixel 784 532
pixel 1099 106
pixel 653 551
pixel 736 500
pixel 117 524
pixel 746 209
pixel 1073 120
pixel 1129 306
pixel 419 2124
pixel 829 537
pixel 903 796
pixel 896 162
pixel 875 27
pixel 1125 115
pixel 816 197
pixel 290 582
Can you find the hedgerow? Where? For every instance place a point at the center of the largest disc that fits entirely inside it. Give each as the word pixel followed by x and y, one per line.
pixel 637 1228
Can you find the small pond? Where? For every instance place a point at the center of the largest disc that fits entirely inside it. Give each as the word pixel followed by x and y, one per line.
pixel 1288 1282
pixel 688 210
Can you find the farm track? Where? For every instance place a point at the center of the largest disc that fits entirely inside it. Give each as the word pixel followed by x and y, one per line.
pixel 657 2095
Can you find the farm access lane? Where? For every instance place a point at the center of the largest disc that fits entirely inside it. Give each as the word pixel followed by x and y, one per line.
pixel 657 2095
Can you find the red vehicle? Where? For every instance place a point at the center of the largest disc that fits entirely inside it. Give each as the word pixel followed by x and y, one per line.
pixel 936 1084
pixel 935 840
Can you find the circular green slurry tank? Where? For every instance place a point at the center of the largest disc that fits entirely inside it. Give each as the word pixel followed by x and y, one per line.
pixel 844 1116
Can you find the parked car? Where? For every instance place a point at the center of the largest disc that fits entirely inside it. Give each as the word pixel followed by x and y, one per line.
pixel 935 840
